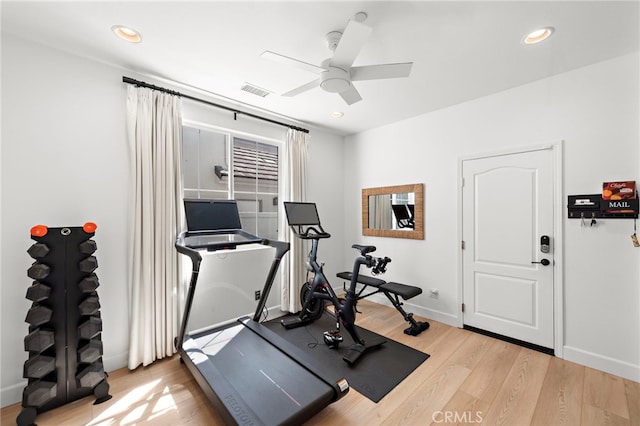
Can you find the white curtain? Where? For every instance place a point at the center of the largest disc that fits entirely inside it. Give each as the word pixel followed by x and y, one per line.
pixel 295 183
pixel 154 131
pixel 380 212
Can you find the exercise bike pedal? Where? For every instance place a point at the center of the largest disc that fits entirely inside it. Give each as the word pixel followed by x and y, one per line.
pixel 294 322
pixel 332 338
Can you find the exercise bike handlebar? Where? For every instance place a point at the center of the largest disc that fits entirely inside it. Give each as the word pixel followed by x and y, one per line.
pixel 380 265
pixel 311 233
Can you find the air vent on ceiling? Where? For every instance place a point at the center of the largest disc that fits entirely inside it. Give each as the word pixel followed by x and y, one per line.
pixel 258 91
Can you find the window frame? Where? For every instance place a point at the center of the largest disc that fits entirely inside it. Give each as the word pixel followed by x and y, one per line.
pixel 230 134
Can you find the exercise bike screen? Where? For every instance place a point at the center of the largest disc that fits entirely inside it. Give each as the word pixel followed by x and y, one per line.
pixel 302 213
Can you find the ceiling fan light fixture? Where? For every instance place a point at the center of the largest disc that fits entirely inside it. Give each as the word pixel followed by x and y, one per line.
pixel 538 35
pixel 335 80
pixel 126 33
pixel 335 85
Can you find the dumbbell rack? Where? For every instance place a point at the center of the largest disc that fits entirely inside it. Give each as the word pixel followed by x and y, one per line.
pixel 64 340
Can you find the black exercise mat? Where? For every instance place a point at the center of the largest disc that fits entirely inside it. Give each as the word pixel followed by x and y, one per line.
pixel 375 373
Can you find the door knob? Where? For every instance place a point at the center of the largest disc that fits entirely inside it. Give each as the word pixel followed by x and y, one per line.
pixel 544 262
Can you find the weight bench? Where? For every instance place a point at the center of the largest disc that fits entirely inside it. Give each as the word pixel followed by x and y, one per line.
pixel 393 291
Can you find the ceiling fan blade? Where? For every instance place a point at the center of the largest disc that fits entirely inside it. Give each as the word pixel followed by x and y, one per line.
pixel 352 40
pixel 351 95
pixel 376 72
pixel 267 54
pixel 310 85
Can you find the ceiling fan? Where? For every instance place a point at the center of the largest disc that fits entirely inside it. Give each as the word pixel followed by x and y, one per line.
pixel 336 73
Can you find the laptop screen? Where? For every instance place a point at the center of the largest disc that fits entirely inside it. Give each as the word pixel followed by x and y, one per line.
pixel 209 215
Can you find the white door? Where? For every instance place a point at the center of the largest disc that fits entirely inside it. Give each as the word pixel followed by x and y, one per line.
pixel 507 207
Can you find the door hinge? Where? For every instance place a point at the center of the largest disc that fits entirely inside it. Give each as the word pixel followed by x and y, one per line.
pixel 462 244
pixel 463 307
pixel 462 182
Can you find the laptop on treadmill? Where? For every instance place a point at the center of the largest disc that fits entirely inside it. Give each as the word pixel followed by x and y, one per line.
pixel 215 225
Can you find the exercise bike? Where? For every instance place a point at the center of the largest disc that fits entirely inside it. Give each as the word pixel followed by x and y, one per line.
pixel 305 223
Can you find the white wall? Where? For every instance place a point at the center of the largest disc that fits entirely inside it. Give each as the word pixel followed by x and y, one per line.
pixel 326 180
pixel 65 162
pixel 595 111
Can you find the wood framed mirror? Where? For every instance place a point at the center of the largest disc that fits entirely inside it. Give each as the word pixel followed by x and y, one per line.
pixel 393 211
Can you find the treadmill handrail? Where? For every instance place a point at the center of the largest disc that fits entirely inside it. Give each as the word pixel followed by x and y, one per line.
pixel 196 259
pixel 282 248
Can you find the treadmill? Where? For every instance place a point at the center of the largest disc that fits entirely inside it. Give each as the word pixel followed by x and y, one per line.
pixel 251 375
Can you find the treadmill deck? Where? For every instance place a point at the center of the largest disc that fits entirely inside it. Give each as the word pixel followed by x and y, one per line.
pixel 255 380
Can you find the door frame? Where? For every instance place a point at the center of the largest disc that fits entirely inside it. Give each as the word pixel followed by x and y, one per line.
pixel 558 225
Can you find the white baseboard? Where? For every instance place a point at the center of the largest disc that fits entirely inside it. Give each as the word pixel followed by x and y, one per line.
pixel 275 312
pixel 443 317
pixel 603 363
pixel 12 394
pixel 116 362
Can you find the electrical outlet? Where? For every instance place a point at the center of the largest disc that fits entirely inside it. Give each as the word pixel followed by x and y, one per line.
pixel 257 295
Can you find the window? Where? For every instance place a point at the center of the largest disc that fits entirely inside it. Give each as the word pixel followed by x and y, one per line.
pixel 220 165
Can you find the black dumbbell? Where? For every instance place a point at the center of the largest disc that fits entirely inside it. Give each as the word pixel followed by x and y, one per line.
pixel 38 271
pixel 88 264
pixel 89 306
pixel 90 352
pixel 38 292
pixel 90 376
pixel 38 315
pixel 38 393
pixel 39 366
pixel 38 250
pixel 89 283
pixel 90 328
pixel 39 340
pixel 88 247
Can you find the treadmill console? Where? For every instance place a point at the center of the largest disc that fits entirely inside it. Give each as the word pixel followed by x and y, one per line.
pixel 214 225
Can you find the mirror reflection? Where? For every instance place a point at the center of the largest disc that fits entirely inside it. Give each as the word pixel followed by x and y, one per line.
pixel 393 211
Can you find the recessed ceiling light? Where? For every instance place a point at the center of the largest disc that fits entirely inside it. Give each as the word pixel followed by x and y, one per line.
pixel 126 33
pixel 538 35
pixel 337 114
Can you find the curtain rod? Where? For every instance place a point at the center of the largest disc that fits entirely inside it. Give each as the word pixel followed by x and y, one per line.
pixel 235 112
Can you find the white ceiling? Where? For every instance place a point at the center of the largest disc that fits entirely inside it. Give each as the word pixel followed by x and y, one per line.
pixel 460 50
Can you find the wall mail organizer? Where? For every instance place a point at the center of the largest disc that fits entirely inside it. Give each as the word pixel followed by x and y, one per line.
pixel 593 206
pixel 64 340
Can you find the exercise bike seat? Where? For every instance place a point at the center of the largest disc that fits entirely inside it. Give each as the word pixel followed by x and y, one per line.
pixel 364 249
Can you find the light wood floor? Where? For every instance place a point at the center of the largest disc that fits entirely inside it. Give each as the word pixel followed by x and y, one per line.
pixel 469 379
